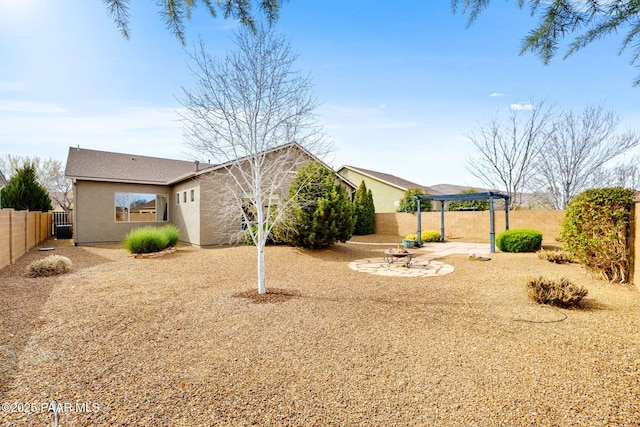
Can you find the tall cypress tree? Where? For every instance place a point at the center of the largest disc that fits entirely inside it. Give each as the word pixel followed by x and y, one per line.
pixel 24 192
pixel 364 210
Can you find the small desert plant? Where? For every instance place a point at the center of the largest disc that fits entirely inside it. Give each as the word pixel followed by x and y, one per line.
pixel 522 240
pixel 425 236
pixel 558 257
pixel 560 293
pixel 49 266
pixel 149 239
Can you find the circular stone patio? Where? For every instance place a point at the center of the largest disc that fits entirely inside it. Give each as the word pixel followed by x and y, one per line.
pixel 421 266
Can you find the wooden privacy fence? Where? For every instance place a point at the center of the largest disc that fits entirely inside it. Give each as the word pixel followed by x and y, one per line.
pixel 21 231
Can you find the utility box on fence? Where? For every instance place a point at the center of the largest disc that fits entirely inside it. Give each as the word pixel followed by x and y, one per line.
pixel 63 231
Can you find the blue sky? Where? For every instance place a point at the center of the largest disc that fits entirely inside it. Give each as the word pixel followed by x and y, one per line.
pixel 400 84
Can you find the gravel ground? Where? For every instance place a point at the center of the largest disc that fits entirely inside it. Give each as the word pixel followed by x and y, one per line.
pixel 180 340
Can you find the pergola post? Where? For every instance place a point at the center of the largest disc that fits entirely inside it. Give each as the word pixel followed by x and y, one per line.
pixel 492 226
pixel 442 220
pixel 506 214
pixel 419 223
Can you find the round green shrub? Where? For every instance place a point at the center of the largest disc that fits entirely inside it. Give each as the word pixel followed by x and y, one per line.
pixel 522 240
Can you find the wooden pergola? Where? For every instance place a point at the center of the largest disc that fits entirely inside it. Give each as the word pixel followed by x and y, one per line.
pixel 490 195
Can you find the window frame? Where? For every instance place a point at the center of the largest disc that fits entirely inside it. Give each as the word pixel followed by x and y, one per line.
pixel 123 200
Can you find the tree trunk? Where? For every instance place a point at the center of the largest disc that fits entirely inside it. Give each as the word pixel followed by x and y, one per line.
pixel 261 282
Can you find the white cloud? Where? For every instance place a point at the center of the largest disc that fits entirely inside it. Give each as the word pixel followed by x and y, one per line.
pixel 522 106
pixel 31 107
pixel 494 94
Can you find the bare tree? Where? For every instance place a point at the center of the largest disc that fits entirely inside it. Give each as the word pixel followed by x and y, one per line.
pixel 575 153
pixel 624 174
pixel 253 114
pixel 50 175
pixel 507 149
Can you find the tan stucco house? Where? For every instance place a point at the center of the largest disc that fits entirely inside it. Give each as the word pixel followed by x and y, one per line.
pixel 116 192
pixel 387 189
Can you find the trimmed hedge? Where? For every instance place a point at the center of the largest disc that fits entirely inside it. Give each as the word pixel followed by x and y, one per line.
pixel 595 231
pixel 150 239
pixel 522 240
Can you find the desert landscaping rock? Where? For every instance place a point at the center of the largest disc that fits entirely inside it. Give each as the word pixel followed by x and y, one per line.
pixel 178 341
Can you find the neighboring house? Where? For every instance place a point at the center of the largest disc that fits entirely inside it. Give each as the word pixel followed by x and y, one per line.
pixel 115 192
pixel 387 190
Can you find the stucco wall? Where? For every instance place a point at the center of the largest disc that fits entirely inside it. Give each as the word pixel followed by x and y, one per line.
pixel 386 198
pixel 471 226
pixel 186 215
pixel 94 216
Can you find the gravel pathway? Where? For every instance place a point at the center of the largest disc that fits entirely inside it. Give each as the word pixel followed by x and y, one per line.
pixel 183 340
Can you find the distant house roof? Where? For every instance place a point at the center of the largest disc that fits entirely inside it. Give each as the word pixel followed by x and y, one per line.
pixel 393 180
pixel 94 165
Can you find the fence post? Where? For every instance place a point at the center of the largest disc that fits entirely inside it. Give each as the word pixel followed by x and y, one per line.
pixel 11 236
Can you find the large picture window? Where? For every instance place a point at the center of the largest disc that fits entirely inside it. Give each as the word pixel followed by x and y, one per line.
pixel 141 207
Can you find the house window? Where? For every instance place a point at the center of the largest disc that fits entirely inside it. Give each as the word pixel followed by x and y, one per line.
pixel 193 195
pixel 184 197
pixel 141 207
pixel 177 198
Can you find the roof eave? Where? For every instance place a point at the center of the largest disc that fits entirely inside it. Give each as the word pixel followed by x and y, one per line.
pixel 375 177
pixel 116 180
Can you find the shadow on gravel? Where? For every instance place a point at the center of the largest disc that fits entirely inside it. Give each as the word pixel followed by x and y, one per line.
pixel 23 299
pixel 590 304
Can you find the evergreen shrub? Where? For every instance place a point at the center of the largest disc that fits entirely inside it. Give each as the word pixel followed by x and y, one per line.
pixel 595 231
pixel 24 192
pixel 321 212
pixel 520 240
pixel 144 240
pixel 364 211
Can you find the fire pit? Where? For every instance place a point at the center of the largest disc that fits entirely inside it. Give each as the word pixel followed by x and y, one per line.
pixel 398 256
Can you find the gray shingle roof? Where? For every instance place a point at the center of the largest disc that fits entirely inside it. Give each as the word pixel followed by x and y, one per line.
pixel 118 167
pixel 392 179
